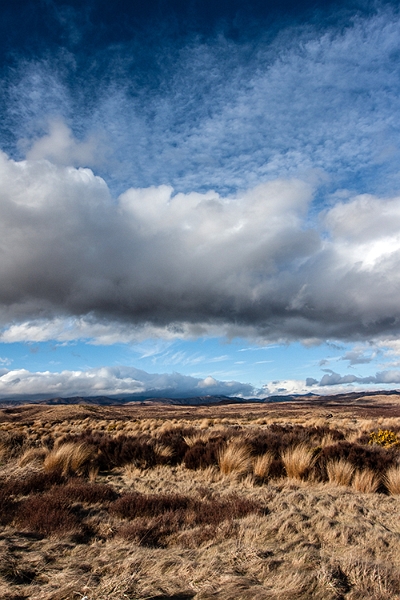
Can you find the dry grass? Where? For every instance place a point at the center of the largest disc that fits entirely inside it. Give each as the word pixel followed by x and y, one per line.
pixel 392 480
pixel 169 532
pixel 340 472
pixel 366 481
pixel 235 459
pixel 33 455
pixel 262 465
pixel 297 461
pixel 71 459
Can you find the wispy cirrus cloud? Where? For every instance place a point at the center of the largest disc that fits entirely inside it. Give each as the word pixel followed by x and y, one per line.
pixel 221 115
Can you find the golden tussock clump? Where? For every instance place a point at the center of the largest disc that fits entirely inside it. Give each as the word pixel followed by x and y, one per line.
pixel 32 455
pixel 70 458
pixel 366 481
pixel 262 465
pixel 297 461
pixel 340 472
pixel 235 458
pixel 392 480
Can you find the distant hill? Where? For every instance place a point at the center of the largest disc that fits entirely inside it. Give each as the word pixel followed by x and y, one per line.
pixel 392 396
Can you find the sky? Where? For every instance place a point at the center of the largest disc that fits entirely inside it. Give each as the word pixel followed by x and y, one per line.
pixel 199 198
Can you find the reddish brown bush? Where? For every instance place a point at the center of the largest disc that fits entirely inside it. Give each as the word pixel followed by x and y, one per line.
pixel 7 506
pixel 83 491
pixel 47 515
pixel 204 454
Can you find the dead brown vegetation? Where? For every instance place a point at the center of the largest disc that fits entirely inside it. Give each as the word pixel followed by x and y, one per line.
pixel 214 503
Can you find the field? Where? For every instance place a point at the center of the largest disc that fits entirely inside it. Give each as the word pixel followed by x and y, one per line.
pixel 258 501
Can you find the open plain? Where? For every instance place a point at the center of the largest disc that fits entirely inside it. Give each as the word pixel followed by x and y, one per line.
pixel 277 501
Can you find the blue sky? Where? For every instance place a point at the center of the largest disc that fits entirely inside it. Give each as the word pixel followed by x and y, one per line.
pixel 199 198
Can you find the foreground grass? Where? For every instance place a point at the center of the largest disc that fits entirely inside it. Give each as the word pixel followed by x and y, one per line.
pixel 232 508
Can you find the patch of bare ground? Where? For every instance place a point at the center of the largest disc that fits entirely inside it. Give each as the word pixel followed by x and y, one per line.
pixel 219 503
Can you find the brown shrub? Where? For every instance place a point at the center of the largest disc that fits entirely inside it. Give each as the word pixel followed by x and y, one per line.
pixel 83 491
pixel 204 454
pixel 47 515
pixel 155 518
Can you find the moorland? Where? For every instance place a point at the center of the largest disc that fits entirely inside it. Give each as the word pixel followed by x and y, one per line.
pixel 281 501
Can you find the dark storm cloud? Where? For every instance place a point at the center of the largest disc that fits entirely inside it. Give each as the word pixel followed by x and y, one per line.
pixel 252 264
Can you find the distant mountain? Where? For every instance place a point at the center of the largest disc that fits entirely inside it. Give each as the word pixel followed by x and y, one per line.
pixel 349 398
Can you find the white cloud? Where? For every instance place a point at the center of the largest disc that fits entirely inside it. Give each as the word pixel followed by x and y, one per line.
pixel 77 264
pixel 60 147
pixel 113 381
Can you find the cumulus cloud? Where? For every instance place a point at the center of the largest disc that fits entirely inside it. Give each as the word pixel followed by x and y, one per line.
pixel 61 147
pixel 78 263
pixel 114 381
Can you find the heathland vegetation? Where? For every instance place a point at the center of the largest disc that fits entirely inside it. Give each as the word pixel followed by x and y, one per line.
pixel 247 502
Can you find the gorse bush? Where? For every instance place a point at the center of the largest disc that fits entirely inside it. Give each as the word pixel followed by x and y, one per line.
pixel 384 437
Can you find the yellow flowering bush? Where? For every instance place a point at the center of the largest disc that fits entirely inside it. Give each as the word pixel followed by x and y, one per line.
pixel 384 437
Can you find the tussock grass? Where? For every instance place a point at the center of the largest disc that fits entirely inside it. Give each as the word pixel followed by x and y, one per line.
pixel 366 481
pixel 340 472
pixel 71 459
pixel 33 455
pixel 262 465
pixel 297 461
pixel 235 459
pixel 392 480
pixel 179 528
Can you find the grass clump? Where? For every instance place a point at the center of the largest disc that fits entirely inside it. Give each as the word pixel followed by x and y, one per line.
pixel 235 459
pixel 298 461
pixel 392 480
pixel 71 459
pixel 366 481
pixel 339 472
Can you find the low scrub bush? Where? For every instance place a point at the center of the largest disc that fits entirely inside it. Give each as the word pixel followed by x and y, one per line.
pixel 375 458
pixel 33 483
pixel 83 491
pixel 7 506
pixel 46 514
pixel 384 437
pixel 204 454
pixel 154 518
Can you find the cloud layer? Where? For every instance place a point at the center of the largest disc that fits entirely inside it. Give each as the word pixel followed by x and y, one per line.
pixel 256 264
pixel 114 381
